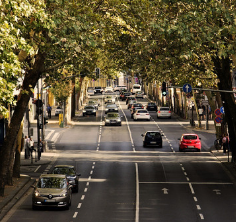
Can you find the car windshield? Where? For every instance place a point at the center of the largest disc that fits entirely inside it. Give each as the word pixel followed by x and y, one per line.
pixel 164 109
pixel 127 94
pixel 52 182
pixel 153 134
pixel 111 106
pixel 98 87
pixel 190 137
pixel 92 102
pixel 136 87
pixel 58 107
pixel 64 170
pixel 142 111
pixel 151 104
pixel 88 107
pixel 112 115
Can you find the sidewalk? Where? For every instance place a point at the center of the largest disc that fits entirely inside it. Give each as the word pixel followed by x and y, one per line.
pixel 22 185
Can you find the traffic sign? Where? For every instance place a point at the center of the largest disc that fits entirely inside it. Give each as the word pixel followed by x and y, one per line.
pixel 187 88
pixel 218 119
pixel 217 112
pixel 222 110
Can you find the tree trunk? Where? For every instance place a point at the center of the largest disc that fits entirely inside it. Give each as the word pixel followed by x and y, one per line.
pixel 223 71
pixel 7 150
pixel 73 99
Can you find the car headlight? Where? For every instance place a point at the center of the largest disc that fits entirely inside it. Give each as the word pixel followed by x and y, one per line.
pixel 106 109
pixel 116 109
pixel 64 194
pixel 107 120
pixel 119 120
pixel 84 111
pixel 37 194
pixel 94 111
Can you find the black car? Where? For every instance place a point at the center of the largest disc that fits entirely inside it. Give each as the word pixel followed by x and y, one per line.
pixel 124 95
pixel 89 110
pixel 70 173
pixel 98 89
pixel 152 138
pixel 151 107
pixel 110 107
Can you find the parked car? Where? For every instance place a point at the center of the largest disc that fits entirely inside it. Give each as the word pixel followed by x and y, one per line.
pixel 141 114
pixel 89 110
pixel 108 90
pixel 130 103
pixel 52 190
pixel 93 103
pixel 109 99
pixel 151 107
pixel 133 110
pixel 58 111
pixel 130 98
pixel 139 94
pixel 113 118
pixel 70 173
pixel 164 112
pixel 110 107
pixel 152 138
pixel 98 90
pixel 190 142
pixel 90 92
pixel 124 95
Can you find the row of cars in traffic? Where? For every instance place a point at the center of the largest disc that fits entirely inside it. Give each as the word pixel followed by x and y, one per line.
pixel 55 189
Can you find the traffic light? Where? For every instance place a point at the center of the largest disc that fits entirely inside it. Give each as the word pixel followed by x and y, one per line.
pixel 163 89
pixel 97 72
pixel 45 120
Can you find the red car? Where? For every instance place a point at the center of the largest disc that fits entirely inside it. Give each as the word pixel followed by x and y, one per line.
pixel 190 142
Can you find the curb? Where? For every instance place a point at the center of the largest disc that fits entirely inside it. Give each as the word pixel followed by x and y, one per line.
pixel 22 187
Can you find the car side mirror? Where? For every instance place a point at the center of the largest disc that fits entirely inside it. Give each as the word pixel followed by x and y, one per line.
pixel 178 138
pixel 199 138
pixel 142 135
pixel 79 175
pixel 162 134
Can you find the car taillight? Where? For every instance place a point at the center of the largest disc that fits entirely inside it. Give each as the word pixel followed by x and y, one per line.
pixel 147 113
pixel 137 114
pixel 169 111
pixel 159 111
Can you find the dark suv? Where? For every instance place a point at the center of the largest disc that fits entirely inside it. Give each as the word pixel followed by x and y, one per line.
pixel 152 138
pixel 98 89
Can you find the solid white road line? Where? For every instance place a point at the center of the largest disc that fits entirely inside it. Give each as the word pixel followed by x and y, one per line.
pixel 137 194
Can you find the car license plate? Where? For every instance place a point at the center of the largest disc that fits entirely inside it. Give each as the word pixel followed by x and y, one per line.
pixel 49 201
pixel 190 146
pixel 151 107
pixel 113 121
pixel 152 142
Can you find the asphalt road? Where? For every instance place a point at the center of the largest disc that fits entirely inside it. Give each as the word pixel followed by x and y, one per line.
pixel 122 181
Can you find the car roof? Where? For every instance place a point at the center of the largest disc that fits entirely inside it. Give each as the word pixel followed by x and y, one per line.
pixel 62 176
pixel 186 134
pixel 64 166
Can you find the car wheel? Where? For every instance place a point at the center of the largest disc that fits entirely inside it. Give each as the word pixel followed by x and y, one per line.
pixel 180 150
pixel 95 114
pixel 160 145
pixel 144 144
pixel 170 117
pixel 83 114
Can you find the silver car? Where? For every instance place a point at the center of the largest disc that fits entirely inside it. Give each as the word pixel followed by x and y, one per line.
pixel 52 190
pixel 89 110
pixel 164 112
pixel 113 119
pixel 109 99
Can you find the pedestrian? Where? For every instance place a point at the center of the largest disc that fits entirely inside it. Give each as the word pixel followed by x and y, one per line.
pixel 49 110
pixel 31 142
pixel 27 146
pixel 200 111
pixel 40 149
pixel 225 142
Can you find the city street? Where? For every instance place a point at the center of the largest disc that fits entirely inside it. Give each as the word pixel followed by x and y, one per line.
pixel 123 181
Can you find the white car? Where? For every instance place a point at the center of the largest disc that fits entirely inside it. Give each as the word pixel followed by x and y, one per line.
pixel 164 112
pixel 109 99
pixel 90 92
pixel 117 88
pixel 58 111
pixel 141 114
pixel 108 90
